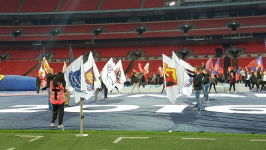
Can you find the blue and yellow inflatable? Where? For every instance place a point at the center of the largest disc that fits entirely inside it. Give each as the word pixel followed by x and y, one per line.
pixel 17 83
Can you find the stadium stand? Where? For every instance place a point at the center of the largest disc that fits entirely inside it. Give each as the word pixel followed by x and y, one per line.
pixel 120 4
pixel 16 67
pixel 39 5
pixel 79 5
pixel 200 27
pixel 9 6
pixel 114 52
pixel 153 3
pixel 64 52
pixel 23 54
pixel 253 47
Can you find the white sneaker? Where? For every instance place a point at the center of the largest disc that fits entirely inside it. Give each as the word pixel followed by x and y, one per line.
pixel 61 126
pixel 51 124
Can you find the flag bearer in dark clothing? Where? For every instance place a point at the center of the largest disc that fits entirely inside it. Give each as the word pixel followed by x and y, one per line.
pixel 197 85
pixel 206 84
pixel 232 82
pixel 38 83
pixel 105 90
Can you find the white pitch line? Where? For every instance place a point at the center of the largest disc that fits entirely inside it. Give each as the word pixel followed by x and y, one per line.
pixel 208 139
pixel 29 136
pixel 121 138
pixel 257 140
pixel 11 148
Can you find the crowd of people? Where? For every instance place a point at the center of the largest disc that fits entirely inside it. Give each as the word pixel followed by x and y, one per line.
pixel 203 81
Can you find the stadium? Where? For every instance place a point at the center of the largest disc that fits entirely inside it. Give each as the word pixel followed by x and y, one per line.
pixel 138 74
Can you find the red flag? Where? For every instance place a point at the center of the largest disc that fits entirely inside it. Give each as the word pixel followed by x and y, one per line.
pixel 255 64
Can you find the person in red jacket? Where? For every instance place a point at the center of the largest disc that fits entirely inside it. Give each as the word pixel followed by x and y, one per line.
pixel 57 98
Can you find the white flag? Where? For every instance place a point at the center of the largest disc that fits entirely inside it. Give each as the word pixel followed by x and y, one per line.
pixel 180 70
pixel 108 75
pixel 92 76
pixel 185 79
pixel 171 79
pixel 75 80
pixel 64 67
pixel 120 75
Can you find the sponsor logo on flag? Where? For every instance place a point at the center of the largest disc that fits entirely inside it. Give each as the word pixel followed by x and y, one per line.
pixel 170 76
pixel 89 79
pixel 74 80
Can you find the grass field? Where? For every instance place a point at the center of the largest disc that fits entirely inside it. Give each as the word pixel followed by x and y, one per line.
pixel 108 140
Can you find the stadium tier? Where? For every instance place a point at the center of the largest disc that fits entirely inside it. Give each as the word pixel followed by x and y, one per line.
pixel 128 30
pixel 39 5
pixel 79 5
pixel 23 54
pixel 120 4
pixel 9 6
pixel 17 67
pixel 153 3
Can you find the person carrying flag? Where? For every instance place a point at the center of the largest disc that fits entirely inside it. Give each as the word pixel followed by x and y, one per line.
pixel 57 98
pixel 263 81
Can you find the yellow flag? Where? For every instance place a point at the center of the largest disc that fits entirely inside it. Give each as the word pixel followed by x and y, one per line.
pixel 45 65
pixel 2 77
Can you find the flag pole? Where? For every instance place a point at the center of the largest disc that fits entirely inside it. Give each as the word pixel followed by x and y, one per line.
pixel 81 119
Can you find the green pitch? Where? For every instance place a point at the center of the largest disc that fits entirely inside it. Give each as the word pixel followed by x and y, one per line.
pixel 128 140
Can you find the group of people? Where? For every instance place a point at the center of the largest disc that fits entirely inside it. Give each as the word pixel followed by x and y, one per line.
pixel 203 80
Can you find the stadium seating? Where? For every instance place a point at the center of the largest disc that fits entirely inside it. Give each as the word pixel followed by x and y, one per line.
pixel 200 27
pixel 64 52
pixel 16 67
pixel 114 52
pixel 120 4
pixel 39 5
pixel 78 28
pixel 153 3
pixel 9 6
pixel 253 47
pixel 23 54
pixel 79 5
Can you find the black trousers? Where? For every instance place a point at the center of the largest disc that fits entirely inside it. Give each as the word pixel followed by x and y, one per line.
pixel 58 110
pixel 258 84
pixel 38 88
pixel 234 86
pixel 247 83
pixel 212 84
pixel 263 83
pixel 105 90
